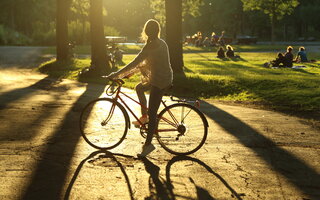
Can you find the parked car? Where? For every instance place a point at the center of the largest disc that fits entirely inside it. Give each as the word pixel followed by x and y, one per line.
pixel 246 39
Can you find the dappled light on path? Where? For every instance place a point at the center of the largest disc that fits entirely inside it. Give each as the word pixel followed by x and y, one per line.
pixel 64 138
pixel 279 156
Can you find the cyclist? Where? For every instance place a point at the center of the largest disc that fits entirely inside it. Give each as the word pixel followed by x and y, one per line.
pixel 154 64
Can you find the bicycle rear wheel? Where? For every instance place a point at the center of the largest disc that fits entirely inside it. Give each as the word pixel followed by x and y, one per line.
pixel 182 129
pixel 104 123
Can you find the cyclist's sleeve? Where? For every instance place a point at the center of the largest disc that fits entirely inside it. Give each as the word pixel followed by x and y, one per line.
pixel 132 67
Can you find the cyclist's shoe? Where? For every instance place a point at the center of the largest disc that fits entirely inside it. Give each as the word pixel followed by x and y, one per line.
pixel 143 120
pixel 146 149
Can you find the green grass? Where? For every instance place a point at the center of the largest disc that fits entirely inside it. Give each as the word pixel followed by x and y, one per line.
pixel 69 69
pixel 133 49
pixel 243 79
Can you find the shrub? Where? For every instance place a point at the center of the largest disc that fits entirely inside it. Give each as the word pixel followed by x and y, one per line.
pixel 12 37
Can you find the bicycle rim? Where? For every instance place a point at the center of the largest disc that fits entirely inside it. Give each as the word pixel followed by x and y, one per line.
pixel 103 123
pixel 182 129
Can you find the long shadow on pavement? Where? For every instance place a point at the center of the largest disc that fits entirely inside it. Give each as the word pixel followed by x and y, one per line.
pixel 13 95
pixel 159 187
pixel 50 172
pixel 201 192
pixel 104 154
pixel 295 170
pixel 21 119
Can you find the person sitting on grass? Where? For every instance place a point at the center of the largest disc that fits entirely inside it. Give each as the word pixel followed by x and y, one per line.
pixel 230 52
pixel 288 57
pixel 279 61
pixel 301 56
pixel 221 53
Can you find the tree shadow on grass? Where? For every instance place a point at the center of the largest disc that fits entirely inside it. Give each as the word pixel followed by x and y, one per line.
pixel 283 162
pixel 238 58
pixel 302 70
pixel 50 171
pixel 255 88
pixel 215 58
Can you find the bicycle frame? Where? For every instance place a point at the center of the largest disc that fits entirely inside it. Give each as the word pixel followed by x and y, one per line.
pixel 118 96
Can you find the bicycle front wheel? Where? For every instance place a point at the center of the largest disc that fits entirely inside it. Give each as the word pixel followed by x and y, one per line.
pixel 182 129
pixel 104 123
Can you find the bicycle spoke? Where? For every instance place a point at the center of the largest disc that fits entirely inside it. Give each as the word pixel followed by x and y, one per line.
pixel 173 117
pixel 185 116
pixel 169 122
pixel 109 115
pixel 182 111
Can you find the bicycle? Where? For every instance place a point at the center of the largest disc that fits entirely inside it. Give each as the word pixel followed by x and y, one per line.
pixel 104 122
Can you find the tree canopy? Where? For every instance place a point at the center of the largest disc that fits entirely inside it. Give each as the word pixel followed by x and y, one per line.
pixel 275 9
pixel 33 21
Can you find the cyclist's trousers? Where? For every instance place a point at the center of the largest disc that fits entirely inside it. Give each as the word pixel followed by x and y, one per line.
pixel 154 103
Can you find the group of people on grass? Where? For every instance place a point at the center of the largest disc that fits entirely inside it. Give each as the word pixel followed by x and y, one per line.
pixel 214 41
pixel 287 59
pixel 283 59
pixel 199 40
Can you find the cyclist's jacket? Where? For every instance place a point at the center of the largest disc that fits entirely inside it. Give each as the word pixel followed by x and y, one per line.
pixel 154 64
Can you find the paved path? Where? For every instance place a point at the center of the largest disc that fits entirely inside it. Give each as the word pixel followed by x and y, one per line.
pixel 249 153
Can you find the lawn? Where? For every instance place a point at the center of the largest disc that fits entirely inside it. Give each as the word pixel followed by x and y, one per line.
pixel 241 80
pixel 133 49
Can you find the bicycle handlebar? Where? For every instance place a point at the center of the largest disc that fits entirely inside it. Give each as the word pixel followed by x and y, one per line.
pixel 114 83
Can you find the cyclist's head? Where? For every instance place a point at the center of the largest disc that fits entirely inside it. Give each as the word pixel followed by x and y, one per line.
pixel 151 30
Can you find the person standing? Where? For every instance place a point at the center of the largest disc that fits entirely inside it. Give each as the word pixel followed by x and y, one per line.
pixel 221 41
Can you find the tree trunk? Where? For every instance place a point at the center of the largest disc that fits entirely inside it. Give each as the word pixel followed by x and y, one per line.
pixel 98 45
pixel 83 38
pixel 63 7
pixel 174 33
pixel 285 32
pixel 272 19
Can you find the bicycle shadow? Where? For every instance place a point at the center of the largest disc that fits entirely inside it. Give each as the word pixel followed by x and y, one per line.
pixel 103 154
pixel 201 193
pixel 161 187
pixel 158 186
